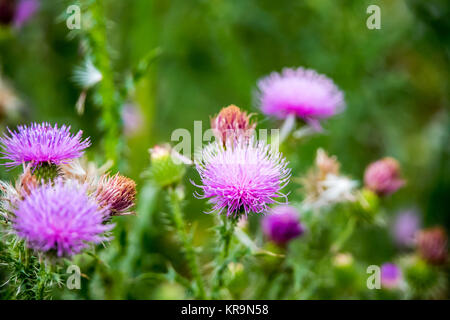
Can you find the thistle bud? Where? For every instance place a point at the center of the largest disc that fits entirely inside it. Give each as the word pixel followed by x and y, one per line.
pixel 118 193
pixel 167 166
pixel 383 176
pixel 432 245
pixel 232 123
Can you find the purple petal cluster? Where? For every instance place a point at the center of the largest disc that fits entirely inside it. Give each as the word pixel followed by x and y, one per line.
pixel 241 177
pixel 302 92
pixel 390 275
pixel 282 224
pixel 60 218
pixel 41 143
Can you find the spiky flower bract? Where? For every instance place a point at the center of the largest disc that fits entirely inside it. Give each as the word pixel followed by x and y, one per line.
pixel 60 218
pixel 282 224
pixel 303 92
pixel 241 177
pixel 42 143
pixel 118 193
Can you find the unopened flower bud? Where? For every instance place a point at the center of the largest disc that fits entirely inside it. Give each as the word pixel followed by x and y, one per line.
pixel 117 193
pixel 432 245
pixel 383 176
pixel 232 123
pixel 167 166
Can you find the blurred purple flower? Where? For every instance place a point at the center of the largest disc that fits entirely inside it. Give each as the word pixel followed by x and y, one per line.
pixel 303 92
pixel 405 227
pixel 391 275
pixel 282 224
pixel 60 218
pixel 132 119
pixel 41 143
pixel 244 176
pixel 24 11
pixel 17 12
pixel 383 176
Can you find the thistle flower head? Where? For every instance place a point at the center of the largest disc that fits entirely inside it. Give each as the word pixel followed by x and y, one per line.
pixel 383 176
pixel 244 176
pixel 282 224
pixel 60 218
pixel 117 193
pixel 432 245
pixel 41 143
pixel 232 123
pixel 17 11
pixel 303 92
pixel 391 275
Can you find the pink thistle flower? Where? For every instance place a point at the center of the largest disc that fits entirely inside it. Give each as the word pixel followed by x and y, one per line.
pixel 302 92
pixel 60 218
pixel 383 176
pixel 41 143
pixel 282 225
pixel 245 176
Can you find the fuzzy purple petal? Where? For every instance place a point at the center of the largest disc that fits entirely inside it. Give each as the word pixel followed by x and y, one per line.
pixel 302 92
pixel 242 177
pixel 60 218
pixel 41 143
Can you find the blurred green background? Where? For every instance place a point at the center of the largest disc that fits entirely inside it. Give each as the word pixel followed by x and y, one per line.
pixel 211 54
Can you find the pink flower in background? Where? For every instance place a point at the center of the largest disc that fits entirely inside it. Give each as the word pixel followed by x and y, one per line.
pixel 302 92
pixel 17 12
pixel 391 276
pixel 60 218
pixel 241 177
pixel 282 224
pixel 24 11
pixel 132 119
pixel 406 225
pixel 383 176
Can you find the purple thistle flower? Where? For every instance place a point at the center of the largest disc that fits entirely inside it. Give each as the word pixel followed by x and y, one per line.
pixel 303 92
pixel 243 176
pixel 42 143
pixel 60 218
pixel 406 225
pixel 390 275
pixel 282 225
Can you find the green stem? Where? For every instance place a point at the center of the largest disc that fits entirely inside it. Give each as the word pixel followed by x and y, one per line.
pixel 225 237
pixel 106 89
pixel 180 225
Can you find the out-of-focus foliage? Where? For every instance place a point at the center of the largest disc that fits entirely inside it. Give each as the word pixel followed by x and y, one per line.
pixel 194 57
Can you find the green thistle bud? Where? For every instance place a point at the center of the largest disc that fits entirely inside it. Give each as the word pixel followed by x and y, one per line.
pixel 367 204
pixel 426 281
pixel 166 169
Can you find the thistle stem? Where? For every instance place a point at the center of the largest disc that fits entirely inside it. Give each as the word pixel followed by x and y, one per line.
pixel 225 237
pixel 180 226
